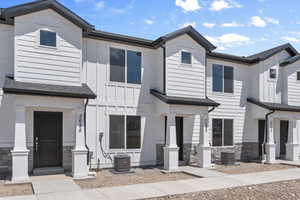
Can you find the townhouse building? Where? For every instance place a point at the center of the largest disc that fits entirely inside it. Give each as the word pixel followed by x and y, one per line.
pixel 73 97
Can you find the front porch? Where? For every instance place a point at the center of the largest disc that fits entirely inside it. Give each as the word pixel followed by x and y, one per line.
pixel 175 110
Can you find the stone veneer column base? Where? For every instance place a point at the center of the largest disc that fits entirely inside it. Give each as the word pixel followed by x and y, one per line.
pixel 270 153
pixel 203 156
pixel 79 163
pixel 19 165
pixel 292 151
pixel 171 158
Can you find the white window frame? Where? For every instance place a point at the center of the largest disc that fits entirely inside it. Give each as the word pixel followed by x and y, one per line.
pixel 125 82
pixel 212 80
pixel 38 39
pixel 269 75
pixel 186 51
pixel 212 134
pixel 125 132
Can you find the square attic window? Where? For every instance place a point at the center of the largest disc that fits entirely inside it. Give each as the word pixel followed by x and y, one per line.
pixel 186 57
pixel 47 38
pixel 272 73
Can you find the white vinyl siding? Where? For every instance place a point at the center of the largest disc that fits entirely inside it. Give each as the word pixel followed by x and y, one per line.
pixel 60 65
pixel 187 80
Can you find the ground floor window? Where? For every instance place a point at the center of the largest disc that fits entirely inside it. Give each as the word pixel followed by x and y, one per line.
pixel 124 132
pixel 222 131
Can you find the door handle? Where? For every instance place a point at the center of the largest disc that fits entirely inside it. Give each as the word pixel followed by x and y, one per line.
pixel 36 144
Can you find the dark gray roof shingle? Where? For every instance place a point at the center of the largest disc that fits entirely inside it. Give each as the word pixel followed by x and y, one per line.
pixel 275 106
pixel 290 60
pixel 183 100
pixel 232 57
pixel 16 87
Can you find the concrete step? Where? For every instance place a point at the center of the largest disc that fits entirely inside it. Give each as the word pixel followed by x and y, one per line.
pixel 48 171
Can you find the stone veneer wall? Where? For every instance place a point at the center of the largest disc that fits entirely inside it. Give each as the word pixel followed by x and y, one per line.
pixel 244 151
pixel 6 159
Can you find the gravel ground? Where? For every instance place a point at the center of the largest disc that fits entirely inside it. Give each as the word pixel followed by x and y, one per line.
pixel 107 179
pixel 286 190
pixel 16 189
pixel 250 168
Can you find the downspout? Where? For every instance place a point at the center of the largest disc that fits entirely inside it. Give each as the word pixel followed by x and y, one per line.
pixel 86 146
pixel 164 67
pixel 266 133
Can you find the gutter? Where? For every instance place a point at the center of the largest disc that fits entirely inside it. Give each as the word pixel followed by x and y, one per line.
pixel 164 67
pixel 86 146
pixel 266 133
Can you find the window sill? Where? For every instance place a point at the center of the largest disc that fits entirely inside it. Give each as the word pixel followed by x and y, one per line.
pixel 222 94
pixel 120 84
pixel 113 151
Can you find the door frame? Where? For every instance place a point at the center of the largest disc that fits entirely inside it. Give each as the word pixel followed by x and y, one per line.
pixel 59 115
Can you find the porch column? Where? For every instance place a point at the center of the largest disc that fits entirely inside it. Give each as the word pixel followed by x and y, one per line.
pixel 270 145
pixel 79 153
pixel 203 149
pixel 292 146
pixel 20 151
pixel 171 149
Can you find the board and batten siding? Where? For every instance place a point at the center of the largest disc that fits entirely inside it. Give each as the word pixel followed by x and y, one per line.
pixel 35 63
pixel 183 79
pixel 233 105
pixel 115 98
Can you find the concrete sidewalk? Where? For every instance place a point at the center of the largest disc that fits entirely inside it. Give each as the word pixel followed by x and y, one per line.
pixel 140 191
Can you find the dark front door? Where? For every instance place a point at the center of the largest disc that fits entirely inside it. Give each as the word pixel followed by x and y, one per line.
pixel 47 139
pixel 179 134
pixel 261 135
pixel 284 127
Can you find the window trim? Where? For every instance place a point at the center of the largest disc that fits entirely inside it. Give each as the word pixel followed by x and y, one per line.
pixel 212 134
pixel 125 82
pixel 38 39
pixel 186 51
pixel 212 80
pixel 269 74
pixel 125 136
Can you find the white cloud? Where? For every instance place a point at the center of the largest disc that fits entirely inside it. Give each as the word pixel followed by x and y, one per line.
pixel 149 21
pixel 99 5
pixel 231 24
pixel 193 24
pixel 258 21
pixel 290 39
pixel 229 40
pixel 271 20
pixel 218 5
pixel 188 5
pixel 208 25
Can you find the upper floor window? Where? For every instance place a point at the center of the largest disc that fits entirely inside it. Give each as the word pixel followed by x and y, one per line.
pixel 298 76
pixel 273 74
pixel 125 66
pixel 222 130
pixel 186 57
pixel 124 132
pixel 47 38
pixel 222 78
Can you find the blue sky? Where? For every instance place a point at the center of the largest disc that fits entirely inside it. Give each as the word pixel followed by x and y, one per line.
pixel 240 27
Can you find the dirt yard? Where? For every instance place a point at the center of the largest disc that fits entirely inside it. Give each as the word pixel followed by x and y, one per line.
pixel 14 190
pixel 250 168
pixel 105 178
pixel 287 190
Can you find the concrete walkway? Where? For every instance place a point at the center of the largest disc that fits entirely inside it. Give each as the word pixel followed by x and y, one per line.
pixel 212 182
